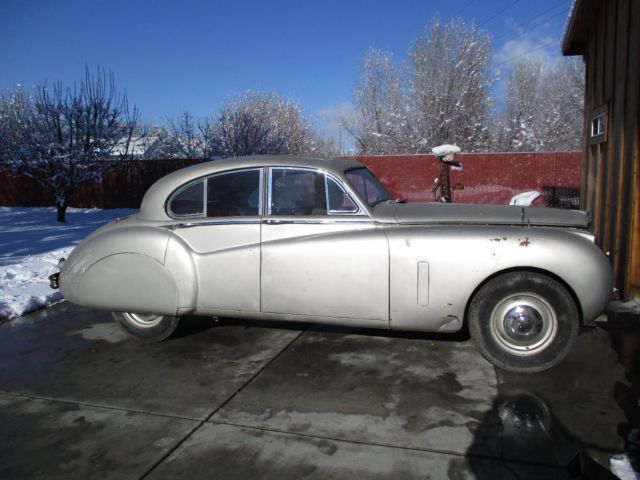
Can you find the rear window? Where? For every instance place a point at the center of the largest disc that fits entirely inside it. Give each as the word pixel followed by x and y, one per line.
pixel 234 194
pixel 227 194
pixel 189 201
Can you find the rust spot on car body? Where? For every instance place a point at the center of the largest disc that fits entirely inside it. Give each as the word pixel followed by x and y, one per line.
pixel 498 239
pixel 525 242
pixel 451 324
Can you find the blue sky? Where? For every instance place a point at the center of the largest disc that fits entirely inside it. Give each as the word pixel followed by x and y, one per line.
pixel 172 56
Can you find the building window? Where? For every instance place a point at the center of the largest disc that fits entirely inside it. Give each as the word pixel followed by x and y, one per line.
pixel 598 132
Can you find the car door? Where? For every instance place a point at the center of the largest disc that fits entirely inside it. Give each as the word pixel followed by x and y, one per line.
pixel 321 255
pixel 220 221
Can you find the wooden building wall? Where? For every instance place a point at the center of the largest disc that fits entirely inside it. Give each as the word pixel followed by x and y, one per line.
pixel 607 33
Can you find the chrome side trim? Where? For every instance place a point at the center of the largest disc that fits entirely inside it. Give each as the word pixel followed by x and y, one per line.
pixel 271 221
pixel 269 192
pixel 209 223
pixel 316 220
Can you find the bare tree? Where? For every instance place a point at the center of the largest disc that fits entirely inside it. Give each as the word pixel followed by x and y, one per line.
pixel 323 146
pixel 440 96
pixel 543 108
pixel 71 135
pixel 379 122
pixel 185 137
pixel 520 125
pixel 206 131
pixel 257 123
pixel 16 113
pixel 450 86
pixel 562 118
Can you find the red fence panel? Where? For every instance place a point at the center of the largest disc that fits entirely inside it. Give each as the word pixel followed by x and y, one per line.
pixel 485 178
pixel 122 187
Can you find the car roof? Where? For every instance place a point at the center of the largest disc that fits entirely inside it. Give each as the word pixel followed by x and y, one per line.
pixel 152 206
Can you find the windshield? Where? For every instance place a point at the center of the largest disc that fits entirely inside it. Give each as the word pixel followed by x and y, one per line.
pixel 367 186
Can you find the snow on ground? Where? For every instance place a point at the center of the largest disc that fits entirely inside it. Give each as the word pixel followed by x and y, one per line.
pixel 31 244
pixel 625 465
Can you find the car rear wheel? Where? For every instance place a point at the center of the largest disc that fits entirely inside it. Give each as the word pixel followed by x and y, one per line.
pixel 523 321
pixel 146 327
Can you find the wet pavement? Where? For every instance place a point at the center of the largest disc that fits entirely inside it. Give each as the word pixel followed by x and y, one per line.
pixel 234 399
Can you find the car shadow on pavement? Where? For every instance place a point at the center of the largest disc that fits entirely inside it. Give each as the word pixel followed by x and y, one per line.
pixel 193 325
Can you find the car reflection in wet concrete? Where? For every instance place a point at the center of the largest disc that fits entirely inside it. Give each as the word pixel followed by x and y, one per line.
pixel 625 340
pixel 579 416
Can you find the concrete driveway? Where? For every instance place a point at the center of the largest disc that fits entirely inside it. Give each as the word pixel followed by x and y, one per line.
pixel 237 399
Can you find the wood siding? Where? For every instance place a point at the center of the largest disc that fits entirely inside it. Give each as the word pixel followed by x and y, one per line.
pixel 610 182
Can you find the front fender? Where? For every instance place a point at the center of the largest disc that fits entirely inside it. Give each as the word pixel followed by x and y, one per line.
pixel 436 269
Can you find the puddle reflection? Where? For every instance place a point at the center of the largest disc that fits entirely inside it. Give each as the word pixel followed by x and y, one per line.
pixel 531 437
pixel 580 418
pixel 625 340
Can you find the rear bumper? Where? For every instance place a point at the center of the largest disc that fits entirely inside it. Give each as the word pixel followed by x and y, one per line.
pixel 53 280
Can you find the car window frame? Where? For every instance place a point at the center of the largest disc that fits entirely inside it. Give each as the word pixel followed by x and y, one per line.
pixel 205 179
pixel 360 211
pixel 359 196
pixel 180 190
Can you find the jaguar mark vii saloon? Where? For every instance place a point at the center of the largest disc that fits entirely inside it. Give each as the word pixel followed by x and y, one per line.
pixel 316 240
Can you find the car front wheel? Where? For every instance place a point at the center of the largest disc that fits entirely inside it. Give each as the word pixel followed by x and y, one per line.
pixel 523 321
pixel 146 327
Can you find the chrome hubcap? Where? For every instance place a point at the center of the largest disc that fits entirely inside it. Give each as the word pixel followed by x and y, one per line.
pixel 142 320
pixel 524 324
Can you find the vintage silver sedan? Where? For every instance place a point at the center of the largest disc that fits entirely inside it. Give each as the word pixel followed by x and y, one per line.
pixel 304 239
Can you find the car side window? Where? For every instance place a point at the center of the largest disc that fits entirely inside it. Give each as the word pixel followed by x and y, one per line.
pixel 226 194
pixel 367 186
pixel 234 194
pixel 338 200
pixel 297 192
pixel 189 201
pixel 307 192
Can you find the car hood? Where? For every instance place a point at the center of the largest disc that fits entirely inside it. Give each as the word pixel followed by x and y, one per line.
pixel 454 213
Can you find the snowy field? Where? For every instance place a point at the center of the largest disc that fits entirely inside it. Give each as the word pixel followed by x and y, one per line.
pixel 31 243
